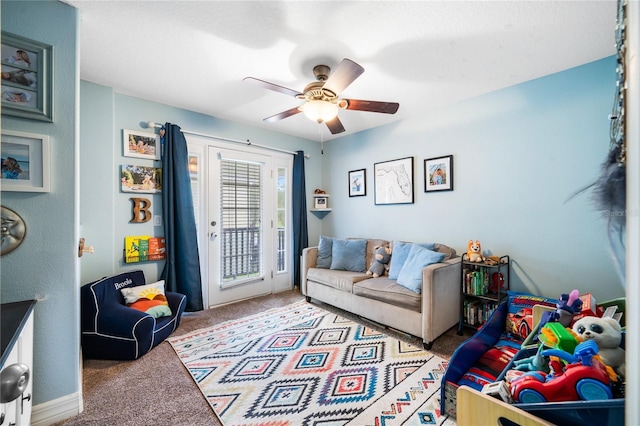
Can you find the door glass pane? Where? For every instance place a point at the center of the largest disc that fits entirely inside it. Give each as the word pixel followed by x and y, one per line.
pixel 195 188
pixel 241 217
pixel 281 218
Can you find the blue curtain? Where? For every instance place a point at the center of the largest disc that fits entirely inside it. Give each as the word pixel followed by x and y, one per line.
pixel 182 269
pixel 299 212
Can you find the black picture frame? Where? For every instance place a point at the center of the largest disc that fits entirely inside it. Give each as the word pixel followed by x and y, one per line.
pixel 438 174
pixel 393 181
pixel 27 88
pixel 358 183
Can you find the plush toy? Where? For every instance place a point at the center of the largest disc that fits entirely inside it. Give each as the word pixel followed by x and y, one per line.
pixel 474 251
pixel 568 306
pixel 380 264
pixel 607 333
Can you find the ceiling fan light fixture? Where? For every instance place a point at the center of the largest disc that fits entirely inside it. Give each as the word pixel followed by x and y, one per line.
pixel 320 111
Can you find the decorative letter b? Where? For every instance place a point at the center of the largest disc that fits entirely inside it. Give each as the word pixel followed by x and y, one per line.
pixel 141 211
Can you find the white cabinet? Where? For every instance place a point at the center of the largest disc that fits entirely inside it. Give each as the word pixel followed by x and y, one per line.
pixel 17 361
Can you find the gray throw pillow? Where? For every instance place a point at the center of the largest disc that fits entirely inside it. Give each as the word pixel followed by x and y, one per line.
pixel 349 255
pixel 325 248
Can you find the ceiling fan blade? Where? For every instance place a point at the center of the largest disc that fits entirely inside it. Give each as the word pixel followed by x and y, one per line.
pixel 372 106
pixel 343 76
pixel 335 125
pixel 271 86
pixel 282 115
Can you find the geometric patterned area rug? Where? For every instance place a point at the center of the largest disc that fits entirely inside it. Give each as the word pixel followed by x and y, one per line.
pixel 300 365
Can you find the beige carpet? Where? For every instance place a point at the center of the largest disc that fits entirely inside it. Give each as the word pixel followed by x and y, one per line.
pixel 157 389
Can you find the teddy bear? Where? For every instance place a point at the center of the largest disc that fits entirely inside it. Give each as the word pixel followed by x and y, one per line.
pixel 380 264
pixel 474 251
pixel 607 333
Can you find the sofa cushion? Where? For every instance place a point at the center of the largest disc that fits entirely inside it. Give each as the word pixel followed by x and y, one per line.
pixel 341 280
pixel 449 252
pixel 325 247
pixel 399 256
pixel 349 255
pixel 411 274
pixel 388 291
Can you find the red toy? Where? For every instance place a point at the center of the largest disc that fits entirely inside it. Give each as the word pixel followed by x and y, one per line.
pixel 585 378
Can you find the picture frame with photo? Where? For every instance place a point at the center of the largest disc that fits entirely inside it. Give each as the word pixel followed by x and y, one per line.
pixel 27 85
pixel 393 181
pixel 358 183
pixel 320 203
pixel 438 174
pixel 140 144
pixel 140 179
pixel 26 162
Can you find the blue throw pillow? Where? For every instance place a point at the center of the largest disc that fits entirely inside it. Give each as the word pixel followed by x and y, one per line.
pixel 399 256
pixel 324 252
pixel 349 255
pixel 411 273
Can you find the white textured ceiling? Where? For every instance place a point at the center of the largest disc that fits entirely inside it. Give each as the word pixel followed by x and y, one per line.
pixel 421 54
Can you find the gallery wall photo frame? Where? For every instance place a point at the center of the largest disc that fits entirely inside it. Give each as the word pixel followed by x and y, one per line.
pixel 438 174
pixel 140 144
pixel 358 183
pixel 140 179
pixel 393 181
pixel 27 78
pixel 26 162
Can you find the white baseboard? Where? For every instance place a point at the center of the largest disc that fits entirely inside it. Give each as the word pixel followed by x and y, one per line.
pixel 56 410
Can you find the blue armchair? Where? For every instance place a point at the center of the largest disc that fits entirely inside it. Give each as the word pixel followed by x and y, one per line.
pixel 112 330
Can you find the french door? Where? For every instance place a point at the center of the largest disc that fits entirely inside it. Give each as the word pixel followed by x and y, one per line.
pixel 243 215
pixel 240 217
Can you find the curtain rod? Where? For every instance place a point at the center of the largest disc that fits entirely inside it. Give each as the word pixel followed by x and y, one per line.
pixel 151 124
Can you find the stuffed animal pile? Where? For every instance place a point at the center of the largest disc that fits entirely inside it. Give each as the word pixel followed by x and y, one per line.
pixel 380 263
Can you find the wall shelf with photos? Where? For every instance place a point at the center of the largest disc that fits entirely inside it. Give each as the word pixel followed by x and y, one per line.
pixel 321 203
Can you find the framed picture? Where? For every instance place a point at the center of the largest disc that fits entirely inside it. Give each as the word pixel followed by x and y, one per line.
pixel 140 144
pixel 141 179
pixel 393 181
pixel 27 87
pixel 438 174
pixel 25 162
pixel 358 183
pixel 320 202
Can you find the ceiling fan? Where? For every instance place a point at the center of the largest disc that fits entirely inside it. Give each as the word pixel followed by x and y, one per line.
pixel 322 96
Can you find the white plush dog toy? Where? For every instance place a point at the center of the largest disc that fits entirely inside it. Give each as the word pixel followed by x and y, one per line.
pixel 607 333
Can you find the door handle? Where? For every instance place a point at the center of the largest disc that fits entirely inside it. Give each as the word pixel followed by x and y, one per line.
pixel 15 379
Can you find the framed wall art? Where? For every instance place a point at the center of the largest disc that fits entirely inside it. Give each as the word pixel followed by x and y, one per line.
pixel 140 144
pixel 393 181
pixel 141 179
pixel 25 162
pixel 27 87
pixel 438 174
pixel 358 183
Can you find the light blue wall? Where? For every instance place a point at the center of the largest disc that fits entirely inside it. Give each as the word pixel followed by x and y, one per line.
pixel 519 155
pixel 104 113
pixel 44 266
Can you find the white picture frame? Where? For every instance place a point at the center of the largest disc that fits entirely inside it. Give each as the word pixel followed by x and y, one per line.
pixel 140 144
pixel 26 162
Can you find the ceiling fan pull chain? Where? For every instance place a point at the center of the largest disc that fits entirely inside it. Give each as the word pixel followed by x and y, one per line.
pixel 321 139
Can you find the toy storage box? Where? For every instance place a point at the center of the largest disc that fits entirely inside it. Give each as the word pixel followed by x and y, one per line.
pixel 571 413
pixel 609 412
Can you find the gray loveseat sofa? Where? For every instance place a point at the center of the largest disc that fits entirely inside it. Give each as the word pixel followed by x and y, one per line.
pixel 426 312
